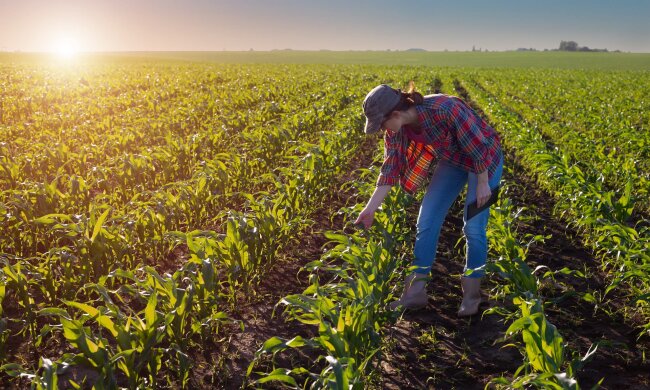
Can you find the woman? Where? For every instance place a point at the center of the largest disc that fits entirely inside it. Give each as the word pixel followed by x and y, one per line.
pixel 467 151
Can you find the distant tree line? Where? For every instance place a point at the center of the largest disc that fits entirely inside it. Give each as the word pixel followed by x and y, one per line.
pixel 569 46
pixel 573 46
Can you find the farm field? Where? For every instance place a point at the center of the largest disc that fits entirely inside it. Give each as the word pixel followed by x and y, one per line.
pixel 508 59
pixel 170 223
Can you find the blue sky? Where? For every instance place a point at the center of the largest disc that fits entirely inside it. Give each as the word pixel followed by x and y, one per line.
pixel 126 25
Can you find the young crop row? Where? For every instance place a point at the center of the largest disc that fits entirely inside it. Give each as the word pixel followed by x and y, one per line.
pixel 354 281
pixel 583 199
pixel 590 117
pixel 106 177
pixel 346 300
pixel 87 271
pixel 546 364
pixel 545 361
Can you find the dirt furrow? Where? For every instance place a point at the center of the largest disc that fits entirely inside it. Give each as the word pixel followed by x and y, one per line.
pixel 226 364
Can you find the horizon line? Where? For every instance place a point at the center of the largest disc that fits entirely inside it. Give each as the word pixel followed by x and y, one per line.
pixel 412 50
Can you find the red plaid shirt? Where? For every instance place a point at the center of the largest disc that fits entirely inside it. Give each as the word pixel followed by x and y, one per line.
pixel 451 131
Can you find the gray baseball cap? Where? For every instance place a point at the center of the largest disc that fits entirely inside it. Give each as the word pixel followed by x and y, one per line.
pixel 378 103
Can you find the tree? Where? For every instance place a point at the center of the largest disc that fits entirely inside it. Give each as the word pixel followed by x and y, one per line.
pixel 568 46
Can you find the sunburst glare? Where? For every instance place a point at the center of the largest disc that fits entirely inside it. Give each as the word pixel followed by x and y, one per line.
pixel 66 48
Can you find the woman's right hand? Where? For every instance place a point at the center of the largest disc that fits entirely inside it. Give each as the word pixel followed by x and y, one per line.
pixel 367 215
pixel 365 218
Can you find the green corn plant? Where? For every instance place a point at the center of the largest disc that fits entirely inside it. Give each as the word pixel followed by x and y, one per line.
pixel 16 280
pixel 137 354
pixel 251 240
pixel 234 254
pixel 254 234
pixel 348 311
pixel 139 347
pixel 49 378
pixel 46 377
pixel 544 351
pixel 94 351
pixel 11 171
pixel 140 342
pixel 205 254
pixel 175 300
pixel 93 242
pixel 541 343
pixel 190 310
pixel 59 274
pixel 188 300
pixel 98 243
pixel 511 264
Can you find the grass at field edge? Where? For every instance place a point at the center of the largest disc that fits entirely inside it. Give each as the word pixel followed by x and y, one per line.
pixel 506 59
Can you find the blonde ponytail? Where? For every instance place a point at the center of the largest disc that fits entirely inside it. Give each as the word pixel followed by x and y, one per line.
pixel 410 98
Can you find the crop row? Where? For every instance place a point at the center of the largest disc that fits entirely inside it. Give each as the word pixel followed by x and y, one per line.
pixel 346 300
pixel 106 177
pixel 82 228
pixel 546 363
pixel 353 282
pixel 599 121
pixel 594 210
pixel 93 263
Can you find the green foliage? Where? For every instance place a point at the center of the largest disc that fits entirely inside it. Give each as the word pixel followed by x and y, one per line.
pixel 570 145
pixel 349 309
pixel 141 202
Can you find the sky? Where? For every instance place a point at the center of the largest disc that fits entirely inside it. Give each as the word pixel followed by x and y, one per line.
pixel 234 25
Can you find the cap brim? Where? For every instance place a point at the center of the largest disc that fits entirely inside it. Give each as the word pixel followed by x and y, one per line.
pixel 372 126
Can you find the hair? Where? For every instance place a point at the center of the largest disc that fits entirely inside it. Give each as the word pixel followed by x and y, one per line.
pixel 409 99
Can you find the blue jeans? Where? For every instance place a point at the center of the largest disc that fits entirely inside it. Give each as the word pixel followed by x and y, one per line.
pixel 446 184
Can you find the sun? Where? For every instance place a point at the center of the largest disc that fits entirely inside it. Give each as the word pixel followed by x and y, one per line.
pixel 66 48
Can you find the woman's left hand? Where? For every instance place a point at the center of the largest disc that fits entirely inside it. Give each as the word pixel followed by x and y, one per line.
pixel 483 193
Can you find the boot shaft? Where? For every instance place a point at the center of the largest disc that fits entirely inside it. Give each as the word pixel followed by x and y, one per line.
pixel 471 296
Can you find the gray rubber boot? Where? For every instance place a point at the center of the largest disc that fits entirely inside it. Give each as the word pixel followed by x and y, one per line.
pixel 414 295
pixel 471 296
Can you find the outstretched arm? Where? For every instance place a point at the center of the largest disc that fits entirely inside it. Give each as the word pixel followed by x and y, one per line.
pixel 367 215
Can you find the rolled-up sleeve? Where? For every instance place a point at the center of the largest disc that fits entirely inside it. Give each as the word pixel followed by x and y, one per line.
pixel 391 168
pixel 470 135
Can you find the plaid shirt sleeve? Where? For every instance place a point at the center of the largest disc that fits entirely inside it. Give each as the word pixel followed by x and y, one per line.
pixel 393 159
pixel 470 136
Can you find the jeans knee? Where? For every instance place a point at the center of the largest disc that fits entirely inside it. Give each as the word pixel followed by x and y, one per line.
pixel 474 232
pixel 426 225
